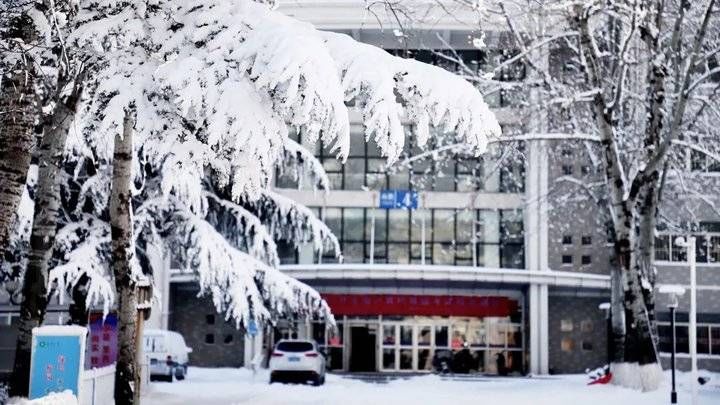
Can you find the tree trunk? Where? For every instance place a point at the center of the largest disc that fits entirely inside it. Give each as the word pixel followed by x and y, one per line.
pixel 17 138
pixel 122 253
pixel 42 237
pixel 78 310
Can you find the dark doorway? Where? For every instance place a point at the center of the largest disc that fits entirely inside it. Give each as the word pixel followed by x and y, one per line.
pixel 362 354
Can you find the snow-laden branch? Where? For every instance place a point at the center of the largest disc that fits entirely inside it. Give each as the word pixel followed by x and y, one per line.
pixel 300 161
pixel 84 246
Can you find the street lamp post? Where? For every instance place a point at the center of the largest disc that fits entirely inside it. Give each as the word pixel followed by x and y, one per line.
pixel 674 292
pixel 673 393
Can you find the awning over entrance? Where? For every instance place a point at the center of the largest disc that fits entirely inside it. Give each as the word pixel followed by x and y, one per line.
pixel 420 305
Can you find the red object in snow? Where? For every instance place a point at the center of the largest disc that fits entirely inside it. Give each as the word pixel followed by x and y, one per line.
pixel 423 305
pixel 601 380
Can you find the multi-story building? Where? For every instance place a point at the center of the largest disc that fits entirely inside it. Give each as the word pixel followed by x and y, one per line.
pixel 474 262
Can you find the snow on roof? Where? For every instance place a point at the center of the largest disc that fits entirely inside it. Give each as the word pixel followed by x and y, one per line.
pixel 59 330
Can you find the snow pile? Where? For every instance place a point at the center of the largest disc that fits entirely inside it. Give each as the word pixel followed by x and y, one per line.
pixel 56 398
pixel 648 377
pixel 241 386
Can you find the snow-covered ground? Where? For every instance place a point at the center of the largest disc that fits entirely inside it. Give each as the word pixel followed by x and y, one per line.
pixel 238 386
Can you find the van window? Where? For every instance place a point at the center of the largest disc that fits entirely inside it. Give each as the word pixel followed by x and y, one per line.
pixel 295 347
pixel 154 344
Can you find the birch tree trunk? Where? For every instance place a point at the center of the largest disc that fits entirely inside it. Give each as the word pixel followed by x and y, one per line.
pixel 122 253
pixel 42 237
pixel 17 123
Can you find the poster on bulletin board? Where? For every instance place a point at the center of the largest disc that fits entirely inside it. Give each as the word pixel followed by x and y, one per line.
pixel 102 344
pixel 57 359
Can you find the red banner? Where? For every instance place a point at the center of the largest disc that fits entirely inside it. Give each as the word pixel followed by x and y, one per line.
pixel 423 305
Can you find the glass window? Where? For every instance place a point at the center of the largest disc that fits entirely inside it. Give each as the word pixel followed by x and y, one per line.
pixel 333 219
pixel 353 252
pixel 514 336
pixel 567 259
pixel 441 336
pixel 380 225
pixel 376 181
pixel 425 359
pixel 354 174
pixel 477 335
pixel 512 256
pixel 406 335
pixel 567 240
pixel 715 339
pixel 703 340
pixel 682 342
pixel 424 335
pixel 380 252
pixel 567 345
pixel 389 359
pixel 406 362
pixel 400 180
pixel 443 253
pixel 586 240
pixel 398 253
pixel 353 224
pixel 399 223
pixel 662 248
pixel 714 249
pixel 443 225
pixel 465 225
pixel 496 334
pixel 389 335
pixel 679 253
pixel 416 225
pixel 701 248
pixel 586 259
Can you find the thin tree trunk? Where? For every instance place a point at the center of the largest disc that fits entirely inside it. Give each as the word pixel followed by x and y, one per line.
pixel 42 237
pixel 122 253
pixel 78 310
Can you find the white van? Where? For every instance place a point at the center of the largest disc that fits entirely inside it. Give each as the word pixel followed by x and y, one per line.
pixel 167 353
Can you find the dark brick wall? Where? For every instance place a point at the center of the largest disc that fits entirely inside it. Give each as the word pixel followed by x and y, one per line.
pixel 189 317
pixel 587 338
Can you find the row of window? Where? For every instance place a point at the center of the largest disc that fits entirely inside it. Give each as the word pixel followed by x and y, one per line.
pixel 490 238
pixel 584 259
pixel 365 168
pixel 708 338
pixel 707 248
pixel 585 240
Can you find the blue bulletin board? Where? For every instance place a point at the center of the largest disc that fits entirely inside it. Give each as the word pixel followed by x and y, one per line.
pixel 56 364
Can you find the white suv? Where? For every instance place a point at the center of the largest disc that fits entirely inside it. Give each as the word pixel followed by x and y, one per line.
pixel 297 360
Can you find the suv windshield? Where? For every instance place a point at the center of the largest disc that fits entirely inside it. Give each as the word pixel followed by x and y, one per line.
pixel 295 347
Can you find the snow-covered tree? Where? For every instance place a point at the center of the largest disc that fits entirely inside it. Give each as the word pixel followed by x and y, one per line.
pixel 203 93
pixel 631 86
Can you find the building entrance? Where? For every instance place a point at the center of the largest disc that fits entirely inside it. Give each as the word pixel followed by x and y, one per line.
pixel 363 350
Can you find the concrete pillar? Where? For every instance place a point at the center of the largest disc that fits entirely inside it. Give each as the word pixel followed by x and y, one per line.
pixel 536 248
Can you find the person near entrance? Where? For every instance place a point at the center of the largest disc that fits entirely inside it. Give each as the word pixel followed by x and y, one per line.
pixel 501 367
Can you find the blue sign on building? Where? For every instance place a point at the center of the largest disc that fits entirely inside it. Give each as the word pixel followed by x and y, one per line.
pixel 391 199
pixel 57 360
pixel 252 328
